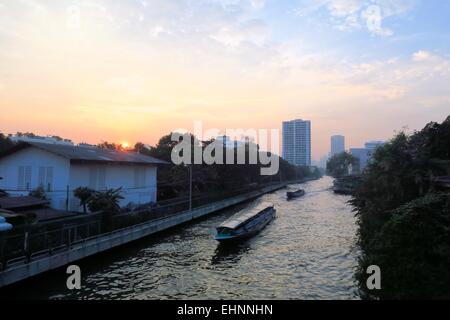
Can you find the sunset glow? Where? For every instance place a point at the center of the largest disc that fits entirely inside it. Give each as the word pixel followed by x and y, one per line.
pixel 101 70
pixel 125 145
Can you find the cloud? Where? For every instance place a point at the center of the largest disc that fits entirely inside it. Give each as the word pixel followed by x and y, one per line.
pixel 425 77
pixel 258 4
pixel 252 31
pixel 344 8
pixel 220 60
pixel 347 15
pixel 421 55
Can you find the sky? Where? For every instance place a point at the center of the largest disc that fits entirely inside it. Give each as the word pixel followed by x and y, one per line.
pixel 135 70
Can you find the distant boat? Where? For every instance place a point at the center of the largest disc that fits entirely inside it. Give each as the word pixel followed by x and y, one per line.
pixel 295 194
pixel 246 223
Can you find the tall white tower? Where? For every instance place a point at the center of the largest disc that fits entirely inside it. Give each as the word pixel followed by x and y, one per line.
pixel 297 142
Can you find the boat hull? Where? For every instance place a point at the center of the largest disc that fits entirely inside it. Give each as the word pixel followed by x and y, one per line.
pixel 296 194
pixel 246 232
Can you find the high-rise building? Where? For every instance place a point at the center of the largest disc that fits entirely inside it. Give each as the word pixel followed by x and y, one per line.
pixel 337 144
pixel 364 155
pixel 373 145
pixel 297 142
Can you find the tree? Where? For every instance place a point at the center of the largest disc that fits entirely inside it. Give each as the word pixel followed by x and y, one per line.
pixel 84 194
pixel 339 164
pixel 402 218
pixel 5 143
pixel 141 148
pixel 107 201
pixel 108 146
pixel 413 251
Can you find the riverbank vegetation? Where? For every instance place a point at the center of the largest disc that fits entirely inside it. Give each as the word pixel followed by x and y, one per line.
pixel 174 180
pixel 340 164
pixel 404 216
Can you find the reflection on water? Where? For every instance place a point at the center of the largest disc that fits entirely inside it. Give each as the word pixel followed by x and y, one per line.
pixel 307 252
pixel 229 253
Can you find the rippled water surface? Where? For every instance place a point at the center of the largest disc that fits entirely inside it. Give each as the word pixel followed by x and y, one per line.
pixel 308 252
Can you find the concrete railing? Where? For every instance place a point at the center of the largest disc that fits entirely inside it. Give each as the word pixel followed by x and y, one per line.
pixel 89 247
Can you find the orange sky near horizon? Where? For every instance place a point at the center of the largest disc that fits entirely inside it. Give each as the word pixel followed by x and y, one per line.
pixel 98 82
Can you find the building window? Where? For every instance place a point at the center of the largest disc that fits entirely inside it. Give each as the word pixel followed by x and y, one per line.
pixel 93 177
pixel 46 178
pixel 24 178
pixel 97 178
pixel 139 177
pixel 102 178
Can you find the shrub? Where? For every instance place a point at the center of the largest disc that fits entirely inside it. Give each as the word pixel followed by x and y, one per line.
pixel 84 194
pixel 107 201
pixel 39 193
pixel 413 251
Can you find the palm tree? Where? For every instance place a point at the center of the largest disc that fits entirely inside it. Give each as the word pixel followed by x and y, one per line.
pixel 84 194
pixel 107 201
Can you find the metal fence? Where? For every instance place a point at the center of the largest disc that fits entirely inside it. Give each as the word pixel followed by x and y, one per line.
pixel 27 243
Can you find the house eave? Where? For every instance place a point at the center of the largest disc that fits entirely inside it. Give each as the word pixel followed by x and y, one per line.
pixel 115 163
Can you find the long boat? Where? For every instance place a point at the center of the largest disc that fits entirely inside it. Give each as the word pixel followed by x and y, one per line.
pixel 246 223
pixel 295 194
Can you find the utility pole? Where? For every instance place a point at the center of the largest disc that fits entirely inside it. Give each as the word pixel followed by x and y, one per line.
pixel 190 187
pixel 67 199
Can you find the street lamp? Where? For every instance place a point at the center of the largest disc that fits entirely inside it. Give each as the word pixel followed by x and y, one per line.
pixel 190 187
pixel 189 166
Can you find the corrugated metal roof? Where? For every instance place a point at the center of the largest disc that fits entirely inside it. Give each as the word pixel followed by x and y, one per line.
pixel 82 154
pixel 239 218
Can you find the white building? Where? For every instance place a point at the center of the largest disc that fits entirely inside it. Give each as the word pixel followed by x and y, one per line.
pixel 297 142
pixel 60 169
pixel 364 155
pixel 373 145
pixel 337 144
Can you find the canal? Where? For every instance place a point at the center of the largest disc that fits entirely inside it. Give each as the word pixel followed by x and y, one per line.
pixel 308 252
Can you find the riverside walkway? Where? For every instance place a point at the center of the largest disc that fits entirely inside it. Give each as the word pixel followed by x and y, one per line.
pixel 74 250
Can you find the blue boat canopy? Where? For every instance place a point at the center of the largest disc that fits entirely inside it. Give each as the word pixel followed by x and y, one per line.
pixel 246 214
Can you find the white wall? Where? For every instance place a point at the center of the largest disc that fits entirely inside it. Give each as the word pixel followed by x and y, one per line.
pixel 77 175
pixel 35 159
pixel 113 177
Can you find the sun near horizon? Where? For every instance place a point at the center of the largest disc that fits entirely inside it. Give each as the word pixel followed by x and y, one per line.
pixel 101 71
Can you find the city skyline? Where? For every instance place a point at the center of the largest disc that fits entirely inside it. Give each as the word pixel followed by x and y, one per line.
pixel 136 70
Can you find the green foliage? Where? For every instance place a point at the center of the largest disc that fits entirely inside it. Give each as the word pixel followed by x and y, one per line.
pixel 39 193
pixel 317 173
pixel 5 143
pixel 174 180
pixel 107 201
pixel 413 251
pixel 397 189
pixel 339 164
pixel 84 194
pixel 108 146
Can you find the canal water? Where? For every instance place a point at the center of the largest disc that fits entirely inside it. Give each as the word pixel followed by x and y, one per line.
pixel 308 252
